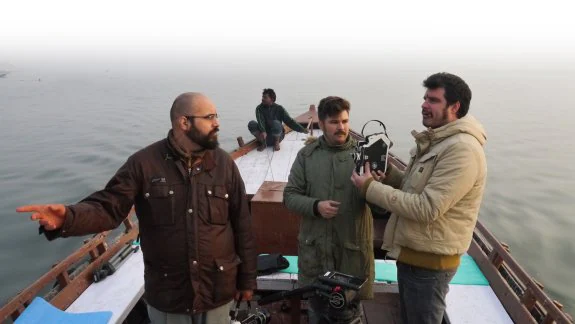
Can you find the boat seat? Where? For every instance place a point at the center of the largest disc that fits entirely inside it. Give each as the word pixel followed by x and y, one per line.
pixel 117 293
pixel 468 273
pixel 42 312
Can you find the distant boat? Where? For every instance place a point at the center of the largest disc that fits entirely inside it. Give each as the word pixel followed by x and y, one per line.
pixel 3 73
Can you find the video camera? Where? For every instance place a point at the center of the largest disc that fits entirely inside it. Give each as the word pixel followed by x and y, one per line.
pixel 373 149
pixel 340 290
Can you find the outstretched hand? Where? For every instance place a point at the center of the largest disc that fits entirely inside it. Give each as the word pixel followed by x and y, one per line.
pixel 50 216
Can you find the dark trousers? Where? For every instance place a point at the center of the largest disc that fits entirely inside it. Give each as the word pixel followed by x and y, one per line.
pixel 422 293
pixel 276 131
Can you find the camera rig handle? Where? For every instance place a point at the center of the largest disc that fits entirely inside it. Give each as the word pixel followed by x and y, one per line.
pixel 372 148
pixel 375 120
pixel 315 288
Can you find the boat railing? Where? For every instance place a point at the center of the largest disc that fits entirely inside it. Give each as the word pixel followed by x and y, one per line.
pixel 73 275
pixel 521 295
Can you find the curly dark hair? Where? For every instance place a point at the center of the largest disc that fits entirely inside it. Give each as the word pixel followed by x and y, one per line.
pixel 455 90
pixel 331 106
pixel 270 93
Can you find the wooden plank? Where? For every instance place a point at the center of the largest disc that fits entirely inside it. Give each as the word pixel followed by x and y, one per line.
pixel 305 118
pixel 383 308
pixel 552 310
pixel 475 304
pixel 279 168
pixel 277 281
pixel 274 235
pixel 253 169
pixel 118 293
pixel 291 136
pixel 269 165
pixel 24 298
pixel 508 298
pixel 84 279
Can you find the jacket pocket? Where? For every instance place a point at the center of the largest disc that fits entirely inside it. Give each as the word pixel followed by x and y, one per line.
pixel 309 257
pixel 224 278
pixel 421 172
pixel 343 166
pixel 218 204
pixel 161 202
pixel 166 288
pixel 353 260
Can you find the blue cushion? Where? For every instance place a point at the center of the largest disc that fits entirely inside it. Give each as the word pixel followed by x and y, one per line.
pixel 42 312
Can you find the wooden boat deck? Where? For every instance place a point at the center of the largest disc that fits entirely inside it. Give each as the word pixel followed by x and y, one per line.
pixel 269 165
pixel 384 308
pixel 465 303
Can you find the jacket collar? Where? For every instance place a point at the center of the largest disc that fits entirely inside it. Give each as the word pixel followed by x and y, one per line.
pixel 207 156
pixel 349 143
pixel 431 136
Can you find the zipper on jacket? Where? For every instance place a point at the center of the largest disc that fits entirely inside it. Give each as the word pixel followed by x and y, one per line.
pixel 190 167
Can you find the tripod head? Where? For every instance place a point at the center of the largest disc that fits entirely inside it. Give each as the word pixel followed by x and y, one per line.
pixel 339 289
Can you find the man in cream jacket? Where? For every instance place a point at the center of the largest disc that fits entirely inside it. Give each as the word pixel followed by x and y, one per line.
pixel 435 201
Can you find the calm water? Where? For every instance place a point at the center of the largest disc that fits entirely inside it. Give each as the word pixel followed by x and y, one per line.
pixel 65 132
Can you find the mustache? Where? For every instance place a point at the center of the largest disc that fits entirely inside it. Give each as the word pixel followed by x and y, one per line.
pixel 215 131
pixel 339 133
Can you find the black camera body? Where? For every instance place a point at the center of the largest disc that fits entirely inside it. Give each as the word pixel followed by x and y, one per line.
pixel 374 149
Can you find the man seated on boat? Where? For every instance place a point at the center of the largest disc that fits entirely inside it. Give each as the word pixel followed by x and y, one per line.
pixel 336 226
pixel 268 128
pixel 196 236
pixel 435 202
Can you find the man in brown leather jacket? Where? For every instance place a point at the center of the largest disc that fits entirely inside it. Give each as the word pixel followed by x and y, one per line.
pixel 195 226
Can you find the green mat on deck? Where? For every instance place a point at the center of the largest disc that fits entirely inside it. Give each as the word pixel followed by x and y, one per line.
pixel 468 272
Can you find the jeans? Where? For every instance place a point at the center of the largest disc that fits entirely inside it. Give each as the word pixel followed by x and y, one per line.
pixel 422 293
pixel 276 131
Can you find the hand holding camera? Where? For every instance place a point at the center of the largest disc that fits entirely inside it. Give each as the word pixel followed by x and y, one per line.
pixel 374 149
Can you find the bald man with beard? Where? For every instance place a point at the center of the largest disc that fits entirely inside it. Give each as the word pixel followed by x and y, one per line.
pixel 195 226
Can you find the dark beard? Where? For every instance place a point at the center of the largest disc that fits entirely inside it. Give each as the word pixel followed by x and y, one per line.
pixel 206 141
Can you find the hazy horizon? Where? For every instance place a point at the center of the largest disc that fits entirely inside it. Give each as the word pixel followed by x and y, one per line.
pixel 324 32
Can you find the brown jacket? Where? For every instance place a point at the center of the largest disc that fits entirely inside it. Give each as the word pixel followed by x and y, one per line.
pixel 195 226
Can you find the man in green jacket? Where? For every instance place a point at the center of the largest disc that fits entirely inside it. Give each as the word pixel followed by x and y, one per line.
pixel 268 128
pixel 435 202
pixel 336 229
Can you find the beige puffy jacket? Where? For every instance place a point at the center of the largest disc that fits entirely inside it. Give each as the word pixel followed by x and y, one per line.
pixel 435 207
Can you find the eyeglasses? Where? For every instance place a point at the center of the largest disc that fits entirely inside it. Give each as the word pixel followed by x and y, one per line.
pixel 210 117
